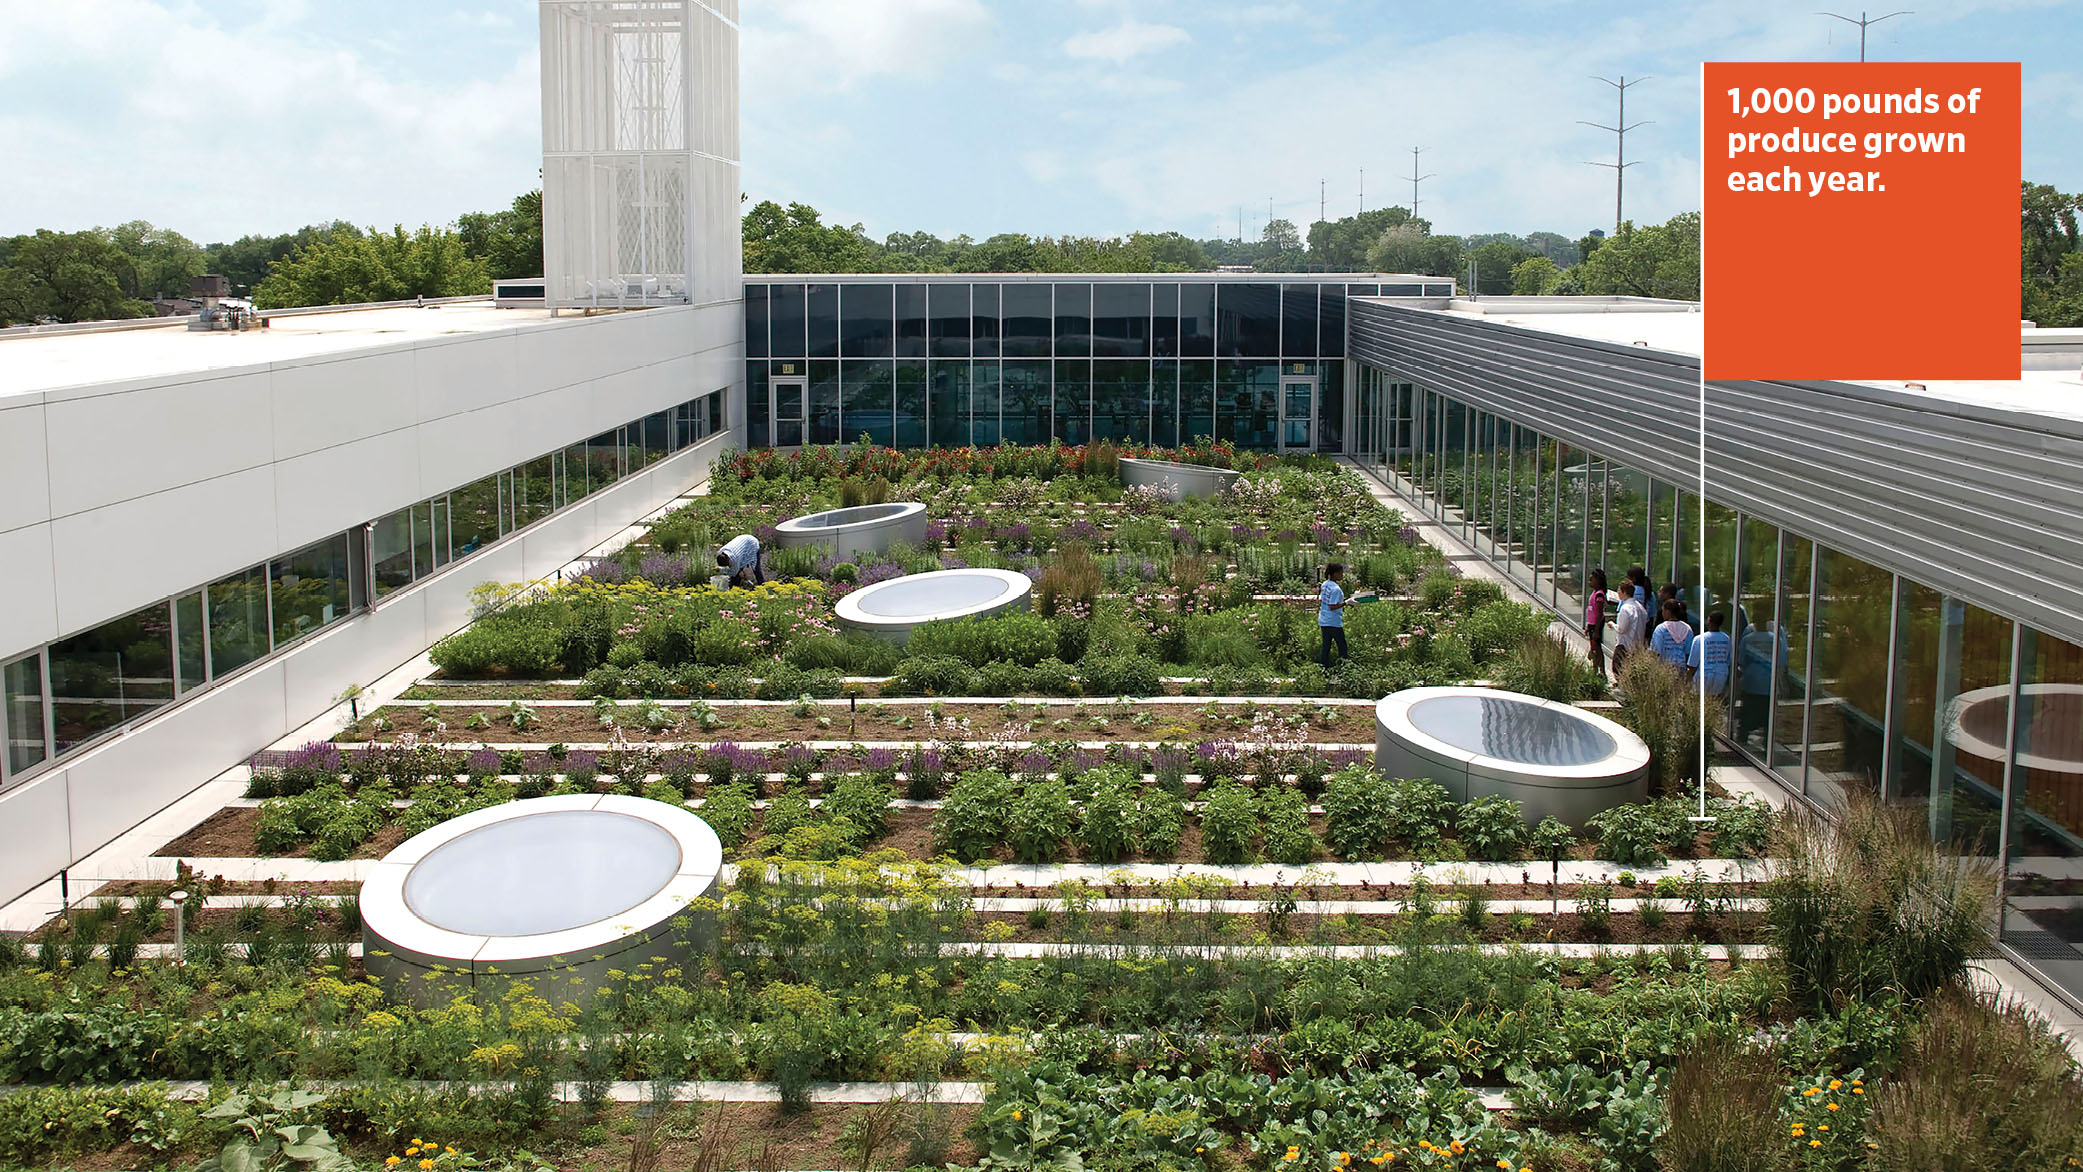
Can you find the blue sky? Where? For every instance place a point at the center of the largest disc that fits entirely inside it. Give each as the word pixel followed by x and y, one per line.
pixel 952 116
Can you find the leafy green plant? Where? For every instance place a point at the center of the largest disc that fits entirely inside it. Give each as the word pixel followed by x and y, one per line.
pixel 1595 907
pixel 1491 827
pixel 728 811
pixel 1551 838
pixel 270 1140
pixel 864 802
pixel 1160 821
pixel 1229 823
pixel 971 821
pixel 1359 811
pixel 1289 839
pixel 1106 821
pixel 1629 835
pixel 1039 821
pixel 1420 809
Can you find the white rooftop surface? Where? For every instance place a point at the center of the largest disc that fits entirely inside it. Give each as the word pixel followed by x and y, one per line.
pixel 43 362
pixel 2054 393
pixel 1625 323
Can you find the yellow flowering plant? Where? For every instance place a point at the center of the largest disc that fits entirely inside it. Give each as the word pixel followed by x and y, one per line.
pixel 429 1155
pixel 1826 1120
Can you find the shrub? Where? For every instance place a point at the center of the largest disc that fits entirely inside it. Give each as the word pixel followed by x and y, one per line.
pixel 1660 708
pixel 1724 1108
pixel 1870 904
pixel 521 642
pixel 1229 823
pixel 728 811
pixel 1072 581
pixel 1289 838
pixel 1039 821
pixel 1551 839
pixel 1358 811
pixel 1106 823
pixel 1420 808
pixel 1050 677
pixel 1543 665
pixel 1122 675
pixel 1628 835
pixel 864 802
pixel 1497 627
pixel 1021 638
pixel 1492 827
pixel 971 821
pixel 1980 1087
pixel 1160 821
pixel 934 675
pixel 1595 907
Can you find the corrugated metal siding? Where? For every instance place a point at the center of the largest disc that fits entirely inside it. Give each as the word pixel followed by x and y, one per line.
pixel 1638 406
pixel 1984 504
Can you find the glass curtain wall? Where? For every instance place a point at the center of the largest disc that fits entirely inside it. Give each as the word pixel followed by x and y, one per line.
pixel 1028 361
pixel 1847 676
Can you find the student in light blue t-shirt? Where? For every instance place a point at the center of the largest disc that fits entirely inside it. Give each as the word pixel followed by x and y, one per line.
pixel 1708 659
pixel 1330 613
pixel 1671 636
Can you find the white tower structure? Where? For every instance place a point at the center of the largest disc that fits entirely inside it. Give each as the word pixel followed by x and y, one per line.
pixel 640 152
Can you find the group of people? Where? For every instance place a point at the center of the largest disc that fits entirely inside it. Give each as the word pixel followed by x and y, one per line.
pixel 1644 618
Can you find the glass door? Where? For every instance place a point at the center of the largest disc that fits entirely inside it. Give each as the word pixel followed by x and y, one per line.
pixel 785 408
pixel 1297 414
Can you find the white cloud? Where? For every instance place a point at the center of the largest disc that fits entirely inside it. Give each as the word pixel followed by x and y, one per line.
pixel 827 46
pixel 1131 38
pixel 131 109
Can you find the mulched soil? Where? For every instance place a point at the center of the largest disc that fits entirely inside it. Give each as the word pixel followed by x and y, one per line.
pixel 228 834
pixel 1198 928
pixel 878 722
pixel 1443 892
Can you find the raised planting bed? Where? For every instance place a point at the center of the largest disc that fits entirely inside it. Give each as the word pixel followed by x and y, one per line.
pixel 1174 481
pixel 847 535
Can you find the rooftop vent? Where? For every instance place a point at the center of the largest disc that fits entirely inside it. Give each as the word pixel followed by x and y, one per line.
pixel 219 310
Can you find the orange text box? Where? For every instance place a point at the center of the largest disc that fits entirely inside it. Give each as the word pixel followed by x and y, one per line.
pixel 1861 220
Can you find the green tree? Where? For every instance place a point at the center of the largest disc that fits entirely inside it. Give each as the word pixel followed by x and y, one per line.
pixel 510 241
pixel 162 261
pixel 1534 276
pixel 1496 260
pixel 1341 245
pixel 1281 248
pixel 351 267
pixel 67 277
pixel 1411 248
pixel 244 262
pixel 2050 256
pixel 1555 246
pixel 793 240
pixel 1660 260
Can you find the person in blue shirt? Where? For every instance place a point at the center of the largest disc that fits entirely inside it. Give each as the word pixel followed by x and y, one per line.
pixel 1671 636
pixel 739 559
pixel 1708 659
pixel 1330 613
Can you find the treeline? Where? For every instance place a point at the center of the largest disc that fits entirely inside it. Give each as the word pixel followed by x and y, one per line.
pixel 116 272
pixel 111 273
pixel 1659 260
pixel 2051 256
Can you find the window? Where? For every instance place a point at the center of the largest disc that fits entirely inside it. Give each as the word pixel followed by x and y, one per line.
pixel 786 313
pixel 1298 317
pixel 1120 320
pixel 1197 322
pixel 822 319
pixel 911 321
pixel 1030 325
pixel 1026 403
pixel 191 659
pixel 238 621
pixel 948 309
pixel 390 551
pixel 908 415
pixel 1249 407
pixel 983 320
pixel 535 490
pixel 947 403
pixel 824 402
pixel 1121 400
pixel 1247 323
pixel 22 711
pixel 1164 321
pixel 1073 400
pixel 1196 400
pixel 111 675
pixel 1330 328
pixel 310 588
pixel 1164 400
pixel 1073 320
pixel 865 405
pixel 658 436
pixel 474 510
pixel 983 413
pixel 603 459
pixel 864 321
pixel 755 321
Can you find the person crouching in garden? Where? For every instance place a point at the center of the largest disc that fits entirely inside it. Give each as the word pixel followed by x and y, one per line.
pixel 739 560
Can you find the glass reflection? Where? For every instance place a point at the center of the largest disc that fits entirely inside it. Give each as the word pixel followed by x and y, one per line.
pixel 109 675
pixel 21 696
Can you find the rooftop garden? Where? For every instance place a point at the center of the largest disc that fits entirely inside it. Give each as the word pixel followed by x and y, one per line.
pixel 1113 884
